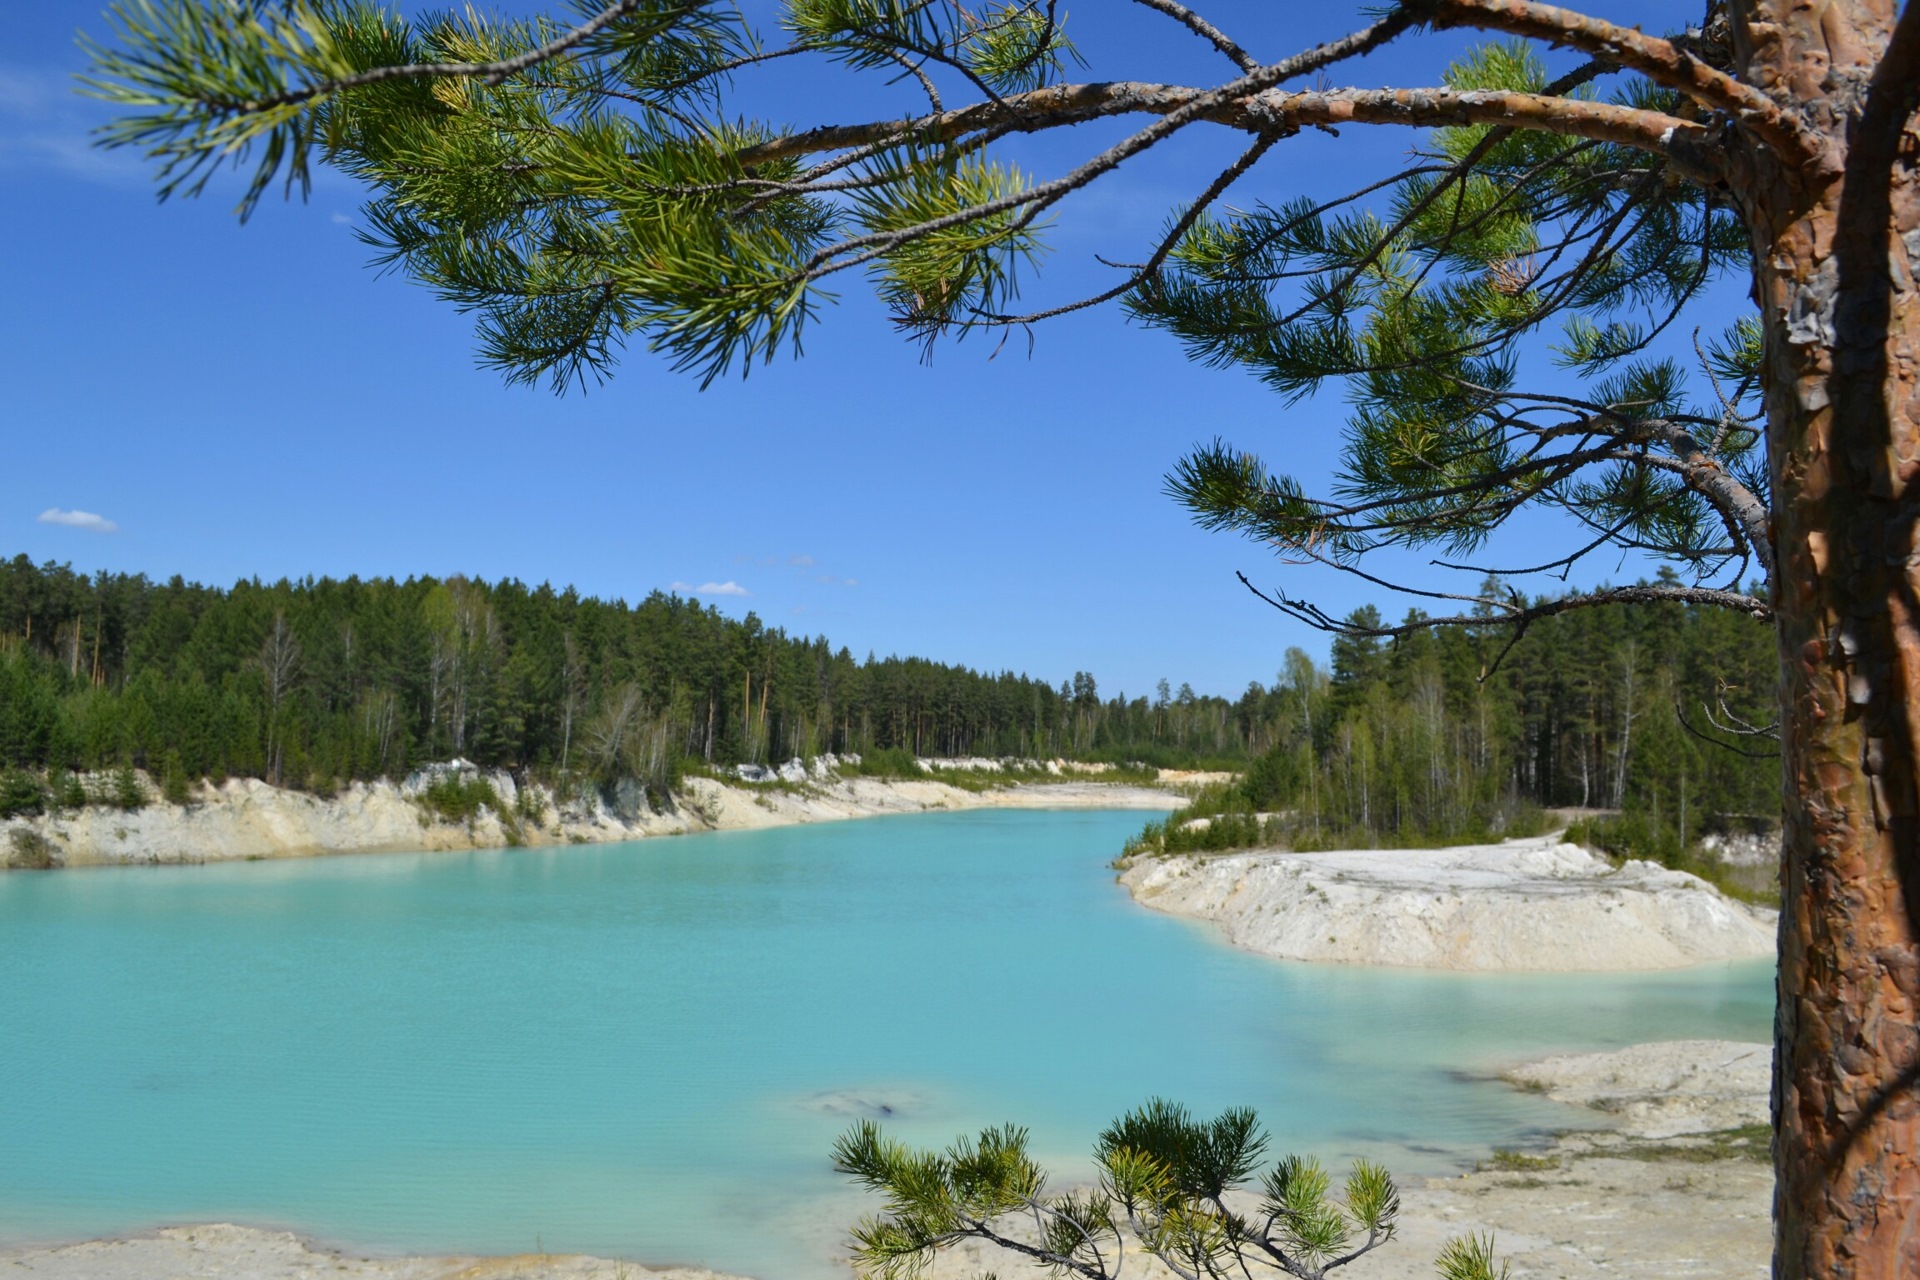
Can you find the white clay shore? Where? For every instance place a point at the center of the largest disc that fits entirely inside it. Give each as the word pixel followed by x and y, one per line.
pixel 1533 904
pixel 1658 1180
pixel 247 819
pixel 223 1251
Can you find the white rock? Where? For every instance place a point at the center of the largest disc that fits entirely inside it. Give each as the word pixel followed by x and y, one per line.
pixel 1525 904
pixel 1663 1089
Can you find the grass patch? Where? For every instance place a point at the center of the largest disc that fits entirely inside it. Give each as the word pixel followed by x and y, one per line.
pixel 1508 1160
pixel 1748 1142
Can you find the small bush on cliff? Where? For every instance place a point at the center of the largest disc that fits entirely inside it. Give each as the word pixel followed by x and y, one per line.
pixel 1164 1179
pixel 65 790
pixel 127 791
pixel 20 793
pixel 889 762
pixel 455 800
pixel 174 787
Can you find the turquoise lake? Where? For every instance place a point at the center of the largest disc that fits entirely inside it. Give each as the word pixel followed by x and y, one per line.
pixel 646 1050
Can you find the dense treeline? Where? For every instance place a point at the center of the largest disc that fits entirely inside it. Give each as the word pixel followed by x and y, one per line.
pixel 1610 708
pixel 322 681
pixel 318 682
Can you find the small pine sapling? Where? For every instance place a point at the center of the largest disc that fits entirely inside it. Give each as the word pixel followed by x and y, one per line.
pixel 1165 1185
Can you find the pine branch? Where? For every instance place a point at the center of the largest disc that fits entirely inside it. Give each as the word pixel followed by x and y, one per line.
pixel 1657 59
pixel 1686 145
pixel 1505 612
pixel 1206 31
pixel 1689 459
pixel 1227 177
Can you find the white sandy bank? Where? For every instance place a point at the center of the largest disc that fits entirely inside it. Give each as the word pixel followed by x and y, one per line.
pixel 1525 904
pixel 222 1251
pixel 247 819
pixel 1661 1090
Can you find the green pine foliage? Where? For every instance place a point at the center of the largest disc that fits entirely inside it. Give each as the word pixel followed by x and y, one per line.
pixel 600 197
pixel 1496 245
pixel 1167 1184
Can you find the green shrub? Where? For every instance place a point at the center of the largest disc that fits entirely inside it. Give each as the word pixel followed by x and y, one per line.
pixel 127 792
pixel 1233 820
pixel 20 793
pixel 1632 834
pixel 1629 835
pixel 889 762
pixel 67 791
pixel 174 788
pixel 1184 832
pixel 450 798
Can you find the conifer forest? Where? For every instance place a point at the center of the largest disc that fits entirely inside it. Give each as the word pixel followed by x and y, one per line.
pixel 1440 734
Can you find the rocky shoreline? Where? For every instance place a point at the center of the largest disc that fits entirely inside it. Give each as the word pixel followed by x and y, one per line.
pixel 1535 904
pixel 245 819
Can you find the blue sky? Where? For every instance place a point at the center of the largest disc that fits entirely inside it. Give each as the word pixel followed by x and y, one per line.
pixel 244 401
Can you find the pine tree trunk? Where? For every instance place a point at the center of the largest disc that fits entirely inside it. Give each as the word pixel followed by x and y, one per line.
pixel 1842 314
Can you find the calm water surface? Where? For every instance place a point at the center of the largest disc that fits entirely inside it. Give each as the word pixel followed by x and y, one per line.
pixel 645 1050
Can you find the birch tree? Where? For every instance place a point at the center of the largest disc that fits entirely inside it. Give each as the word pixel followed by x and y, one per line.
pixel 279 662
pixel 587 183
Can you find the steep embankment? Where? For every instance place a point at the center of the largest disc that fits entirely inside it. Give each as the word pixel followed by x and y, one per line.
pixel 1525 904
pixel 246 818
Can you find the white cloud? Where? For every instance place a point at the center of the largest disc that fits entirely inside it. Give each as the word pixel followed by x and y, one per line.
pixel 342 220
pixel 78 520
pixel 801 562
pixel 45 125
pixel 727 588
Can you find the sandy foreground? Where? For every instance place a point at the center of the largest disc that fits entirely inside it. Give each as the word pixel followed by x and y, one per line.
pixel 1675 1184
pixel 1534 904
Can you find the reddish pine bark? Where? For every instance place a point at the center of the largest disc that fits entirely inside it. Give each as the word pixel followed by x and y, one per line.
pixel 1835 282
